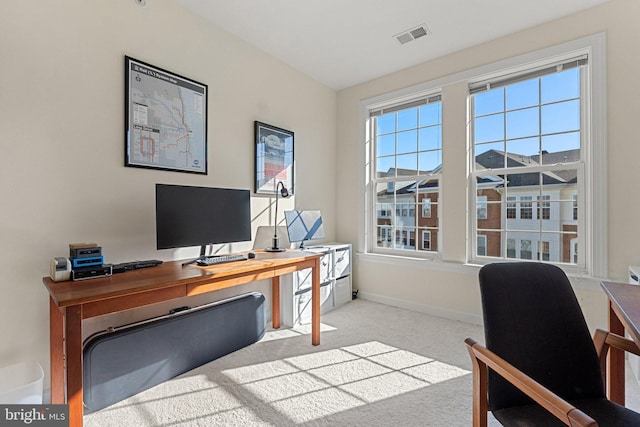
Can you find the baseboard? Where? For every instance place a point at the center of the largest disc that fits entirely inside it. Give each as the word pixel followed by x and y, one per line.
pixel 422 308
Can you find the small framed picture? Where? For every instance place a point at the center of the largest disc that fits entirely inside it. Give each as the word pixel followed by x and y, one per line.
pixel 274 158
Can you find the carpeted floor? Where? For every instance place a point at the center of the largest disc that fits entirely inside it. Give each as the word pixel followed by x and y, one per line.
pixel 376 366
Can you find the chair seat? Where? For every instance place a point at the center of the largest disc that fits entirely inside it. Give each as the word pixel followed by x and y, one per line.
pixel 605 412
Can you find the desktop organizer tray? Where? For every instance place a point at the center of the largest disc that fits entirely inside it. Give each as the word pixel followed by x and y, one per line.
pixel 123 361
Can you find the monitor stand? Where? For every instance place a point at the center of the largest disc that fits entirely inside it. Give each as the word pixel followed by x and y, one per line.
pixel 203 255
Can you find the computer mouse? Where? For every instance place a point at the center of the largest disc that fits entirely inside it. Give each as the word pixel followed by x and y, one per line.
pixel 251 255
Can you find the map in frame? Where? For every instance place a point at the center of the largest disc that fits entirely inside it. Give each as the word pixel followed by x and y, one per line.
pixel 166 120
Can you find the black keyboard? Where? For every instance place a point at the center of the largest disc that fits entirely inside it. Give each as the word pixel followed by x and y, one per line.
pixel 134 265
pixel 220 259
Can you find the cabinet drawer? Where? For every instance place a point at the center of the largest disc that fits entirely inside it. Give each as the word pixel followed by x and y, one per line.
pixel 342 291
pixel 302 304
pixel 343 262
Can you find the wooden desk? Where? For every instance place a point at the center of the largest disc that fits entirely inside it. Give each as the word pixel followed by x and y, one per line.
pixel 624 314
pixel 71 302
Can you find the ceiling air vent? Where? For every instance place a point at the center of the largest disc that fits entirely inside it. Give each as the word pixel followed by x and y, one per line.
pixel 412 34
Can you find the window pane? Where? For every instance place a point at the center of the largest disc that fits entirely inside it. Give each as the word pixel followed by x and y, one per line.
pixel 384 165
pixel 489 128
pixel 429 161
pixel 386 124
pixel 489 102
pixel 525 148
pixel 431 138
pixel 524 94
pixel 562 142
pixel 559 86
pixel 561 117
pixel 386 145
pixel 407 119
pixel 522 123
pixel 407 141
pixel 431 114
pixel 408 163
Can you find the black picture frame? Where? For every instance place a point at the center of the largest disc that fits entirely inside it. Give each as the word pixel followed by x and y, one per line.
pixel 165 120
pixel 274 158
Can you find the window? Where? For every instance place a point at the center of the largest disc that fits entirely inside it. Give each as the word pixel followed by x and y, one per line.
pixel 407 152
pixel 511 207
pixel 544 207
pixel 482 245
pixel 426 207
pixel 481 206
pixel 511 248
pixel 426 240
pixel 526 207
pixel 536 150
pixel 527 138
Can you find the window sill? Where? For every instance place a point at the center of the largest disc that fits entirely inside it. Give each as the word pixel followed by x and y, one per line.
pixel 578 279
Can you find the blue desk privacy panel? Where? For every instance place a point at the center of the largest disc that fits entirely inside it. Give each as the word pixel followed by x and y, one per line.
pixel 122 362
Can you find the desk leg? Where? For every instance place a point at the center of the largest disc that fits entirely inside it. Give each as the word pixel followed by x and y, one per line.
pixel 73 329
pixel 315 303
pixel 56 352
pixel 615 364
pixel 275 302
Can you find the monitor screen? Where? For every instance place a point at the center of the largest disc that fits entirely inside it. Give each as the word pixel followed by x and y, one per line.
pixel 199 216
pixel 304 225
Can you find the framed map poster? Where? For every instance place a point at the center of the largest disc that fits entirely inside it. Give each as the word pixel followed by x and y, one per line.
pixel 165 119
pixel 274 158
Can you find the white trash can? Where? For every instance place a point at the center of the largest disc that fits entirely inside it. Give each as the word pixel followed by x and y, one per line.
pixel 21 383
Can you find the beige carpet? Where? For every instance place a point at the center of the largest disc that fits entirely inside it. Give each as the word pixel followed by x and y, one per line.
pixel 376 366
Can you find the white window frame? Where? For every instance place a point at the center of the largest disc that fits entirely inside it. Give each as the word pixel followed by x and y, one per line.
pixel 592 177
pixel 407 250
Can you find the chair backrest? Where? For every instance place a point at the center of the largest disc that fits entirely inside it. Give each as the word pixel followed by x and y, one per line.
pixel 532 319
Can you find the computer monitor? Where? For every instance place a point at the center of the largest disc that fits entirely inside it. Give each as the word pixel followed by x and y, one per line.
pixel 201 216
pixel 303 226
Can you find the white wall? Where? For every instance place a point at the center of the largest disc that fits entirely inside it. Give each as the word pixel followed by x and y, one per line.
pixel 452 291
pixel 62 177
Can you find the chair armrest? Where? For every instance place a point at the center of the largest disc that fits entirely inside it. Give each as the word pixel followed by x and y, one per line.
pixel 482 358
pixel 603 340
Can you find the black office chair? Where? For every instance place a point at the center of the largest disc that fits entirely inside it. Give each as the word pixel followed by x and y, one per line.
pixel 545 370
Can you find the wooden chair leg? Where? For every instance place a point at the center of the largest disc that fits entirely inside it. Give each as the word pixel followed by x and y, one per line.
pixel 480 380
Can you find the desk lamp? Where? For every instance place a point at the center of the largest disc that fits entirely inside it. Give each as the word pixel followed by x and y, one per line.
pixel 275 246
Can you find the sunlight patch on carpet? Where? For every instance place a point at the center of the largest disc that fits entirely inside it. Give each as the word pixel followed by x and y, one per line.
pixel 312 386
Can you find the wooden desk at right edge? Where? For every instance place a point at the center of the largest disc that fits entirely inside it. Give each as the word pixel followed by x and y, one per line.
pixel 624 314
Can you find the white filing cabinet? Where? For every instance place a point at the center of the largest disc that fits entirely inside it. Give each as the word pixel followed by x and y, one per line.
pixel 335 285
pixel 634 361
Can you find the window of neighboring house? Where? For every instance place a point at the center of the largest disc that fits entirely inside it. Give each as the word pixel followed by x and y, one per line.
pixel 511 208
pixel 426 207
pixel 481 206
pixel 575 206
pixel 526 207
pixel 426 240
pixel 543 251
pixel 482 245
pixel 511 248
pixel 525 249
pixel 406 147
pixel 528 131
pixel 544 207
